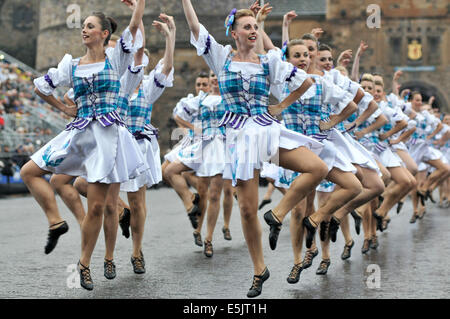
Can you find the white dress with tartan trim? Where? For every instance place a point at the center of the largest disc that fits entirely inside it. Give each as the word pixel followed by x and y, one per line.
pixel 252 145
pixel 96 153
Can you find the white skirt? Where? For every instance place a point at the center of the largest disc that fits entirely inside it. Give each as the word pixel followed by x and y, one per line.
pixel 333 157
pixel 357 153
pixel 422 152
pixel 205 157
pixel 388 158
pixel 282 177
pixel 399 147
pixel 150 152
pixel 172 155
pixel 98 154
pixel 249 147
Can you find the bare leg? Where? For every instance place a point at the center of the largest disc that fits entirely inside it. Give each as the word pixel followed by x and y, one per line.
pixel 173 175
pixel 137 219
pixel 62 185
pixel 203 184
pixel 313 171
pixel 248 204
pixel 92 223
pixel 191 178
pixel 42 191
pixel 111 222
pixel 227 202
pixel 214 193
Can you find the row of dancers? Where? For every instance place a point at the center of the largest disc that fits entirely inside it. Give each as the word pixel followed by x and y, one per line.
pixel 357 148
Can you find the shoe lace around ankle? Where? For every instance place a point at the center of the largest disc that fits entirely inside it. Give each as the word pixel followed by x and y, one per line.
pixel 138 262
pixel 256 283
pixel 323 265
pixel 208 246
pixel 295 270
pixel 86 274
pixel 109 266
pixel 309 256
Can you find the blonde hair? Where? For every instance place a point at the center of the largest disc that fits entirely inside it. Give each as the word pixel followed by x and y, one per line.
pixel 340 68
pixel 240 14
pixel 292 43
pixel 114 38
pixel 367 77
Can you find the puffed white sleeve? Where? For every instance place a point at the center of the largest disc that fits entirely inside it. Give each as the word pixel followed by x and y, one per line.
pixel 156 82
pixel 188 108
pixel 334 95
pixel 122 55
pixel 281 72
pixel 406 108
pixel 212 52
pixel 56 77
pixel 432 120
pixel 411 124
pixel 71 94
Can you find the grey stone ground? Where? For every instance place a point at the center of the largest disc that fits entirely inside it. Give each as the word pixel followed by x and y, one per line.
pixel 413 259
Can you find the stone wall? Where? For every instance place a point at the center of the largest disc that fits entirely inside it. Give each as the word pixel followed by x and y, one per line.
pixel 19 28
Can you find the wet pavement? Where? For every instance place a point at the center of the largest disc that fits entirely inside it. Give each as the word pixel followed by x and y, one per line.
pixel 411 261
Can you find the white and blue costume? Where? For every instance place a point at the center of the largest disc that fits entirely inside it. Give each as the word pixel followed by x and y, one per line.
pixel 96 145
pixel 253 136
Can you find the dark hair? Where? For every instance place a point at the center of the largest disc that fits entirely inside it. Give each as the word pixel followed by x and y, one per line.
pixel 107 23
pixel 203 74
pixel 324 47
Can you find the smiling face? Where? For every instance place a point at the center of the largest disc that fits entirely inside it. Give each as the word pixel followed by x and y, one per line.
pixel 245 32
pixel 92 33
pixel 299 56
pixel 325 60
pixel 446 119
pixel 368 86
pixel 213 82
pixel 416 102
pixel 378 93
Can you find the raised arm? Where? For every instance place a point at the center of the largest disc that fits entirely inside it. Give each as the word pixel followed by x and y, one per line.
pixel 191 17
pixel 167 28
pixel 264 42
pixel 344 58
pixel 355 68
pixel 395 84
pixel 287 19
pixel 138 13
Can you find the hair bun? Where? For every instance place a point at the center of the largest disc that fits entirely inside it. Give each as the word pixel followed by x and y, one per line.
pixel 113 24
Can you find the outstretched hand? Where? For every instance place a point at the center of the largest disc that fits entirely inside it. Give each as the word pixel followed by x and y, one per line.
pixel 362 48
pixel 288 17
pixel 263 13
pixel 317 32
pixel 130 4
pixel 255 7
pixel 345 57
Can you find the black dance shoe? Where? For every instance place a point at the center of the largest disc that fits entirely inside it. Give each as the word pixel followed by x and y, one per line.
pixel 275 228
pixel 138 264
pixel 323 267
pixel 264 203
pixel 208 250
pixel 422 198
pixel 413 219
pixel 379 220
pixel 310 231
pixel 53 236
pixel 193 216
pixel 429 195
pixel 124 223
pixel 196 199
pixel 256 288
pixel 324 230
pixel 109 269
pixel 347 253
pixel 358 221
pixel 197 239
pixel 334 227
pixel 226 233
pixel 374 242
pixel 85 277
pixel 399 207
pixel 309 257
pixel 294 275
pixel 366 246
